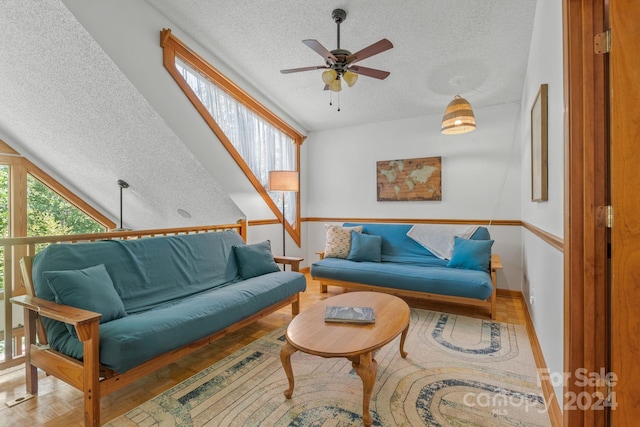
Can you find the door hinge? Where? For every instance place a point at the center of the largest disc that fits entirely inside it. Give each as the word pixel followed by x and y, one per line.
pixel 604 216
pixel 605 393
pixel 602 42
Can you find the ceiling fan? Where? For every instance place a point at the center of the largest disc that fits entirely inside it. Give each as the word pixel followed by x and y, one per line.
pixel 340 63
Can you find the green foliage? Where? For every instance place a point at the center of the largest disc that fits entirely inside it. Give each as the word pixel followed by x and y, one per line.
pixel 48 214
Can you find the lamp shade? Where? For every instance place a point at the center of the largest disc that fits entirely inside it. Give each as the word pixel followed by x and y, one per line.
pixel 335 86
pixel 329 76
pixel 458 117
pixel 350 78
pixel 284 181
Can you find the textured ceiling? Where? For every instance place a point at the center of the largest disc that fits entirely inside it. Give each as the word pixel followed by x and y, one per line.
pixel 73 112
pixel 478 49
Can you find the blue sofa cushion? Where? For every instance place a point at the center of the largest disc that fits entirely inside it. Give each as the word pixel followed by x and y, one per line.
pixel 400 248
pixel 163 268
pixel 175 290
pixel 255 259
pixel 90 289
pixel 146 273
pixel 365 247
pixel 471 254
pixel 397 247
pixel 132 340
pixel 438 280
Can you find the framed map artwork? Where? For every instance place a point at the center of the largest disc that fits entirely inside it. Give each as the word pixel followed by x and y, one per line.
pixel 409 179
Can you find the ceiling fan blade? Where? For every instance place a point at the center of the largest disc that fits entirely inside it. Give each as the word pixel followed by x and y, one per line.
pixel 297 70
pixel 368 51
pixel 369 72
pixel 321 50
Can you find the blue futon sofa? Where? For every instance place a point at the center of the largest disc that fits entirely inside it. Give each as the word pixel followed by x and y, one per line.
pixel 406 268
pixel 156 299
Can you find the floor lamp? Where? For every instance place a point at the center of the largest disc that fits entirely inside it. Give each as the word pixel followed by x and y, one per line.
pixel 284 181
pixel 122 184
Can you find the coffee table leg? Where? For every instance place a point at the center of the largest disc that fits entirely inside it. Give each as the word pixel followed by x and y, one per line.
pixel 366 367
pixel 285 358
pixel 402 339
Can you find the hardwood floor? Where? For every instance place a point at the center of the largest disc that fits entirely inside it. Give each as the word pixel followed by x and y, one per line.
pixel 59 404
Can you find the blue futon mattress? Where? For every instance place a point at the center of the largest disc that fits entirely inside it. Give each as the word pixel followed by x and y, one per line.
pixel 436 280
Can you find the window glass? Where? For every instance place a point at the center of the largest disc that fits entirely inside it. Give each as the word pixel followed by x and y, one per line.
pixel 260 144
pixel 49 214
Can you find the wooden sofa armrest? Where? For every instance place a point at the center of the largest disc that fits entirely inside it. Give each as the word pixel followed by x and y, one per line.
pixel 293 261
pixel 79 318
pixel 495 265
pixel 496 262
pixel 320 254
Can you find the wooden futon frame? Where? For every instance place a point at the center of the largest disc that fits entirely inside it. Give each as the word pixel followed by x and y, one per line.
pixel 88 375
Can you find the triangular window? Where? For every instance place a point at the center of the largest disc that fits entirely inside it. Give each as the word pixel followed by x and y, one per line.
pixel 258 140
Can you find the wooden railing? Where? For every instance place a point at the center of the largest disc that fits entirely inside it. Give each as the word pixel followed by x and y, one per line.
pixel 17 247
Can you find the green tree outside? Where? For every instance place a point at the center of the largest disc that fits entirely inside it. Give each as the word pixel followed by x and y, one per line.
pixel 48 214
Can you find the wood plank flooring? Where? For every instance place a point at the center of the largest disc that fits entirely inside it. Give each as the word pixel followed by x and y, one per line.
pixel 59 404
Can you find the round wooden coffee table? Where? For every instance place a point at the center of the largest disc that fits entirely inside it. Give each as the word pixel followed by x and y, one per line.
pixel 309 333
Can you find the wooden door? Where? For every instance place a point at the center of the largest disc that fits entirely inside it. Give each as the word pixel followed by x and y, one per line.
pixel 602 294
pixel 586 188
pixel 625 200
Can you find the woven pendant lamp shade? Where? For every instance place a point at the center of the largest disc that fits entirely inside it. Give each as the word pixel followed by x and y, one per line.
pixel 458 117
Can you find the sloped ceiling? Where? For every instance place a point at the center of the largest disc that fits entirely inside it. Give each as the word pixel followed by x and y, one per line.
pixel 66 105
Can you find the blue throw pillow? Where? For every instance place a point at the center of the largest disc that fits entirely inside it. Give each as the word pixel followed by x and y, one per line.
pixel 89 289
pixel 471 254
pixel 365 247
pixel 255 260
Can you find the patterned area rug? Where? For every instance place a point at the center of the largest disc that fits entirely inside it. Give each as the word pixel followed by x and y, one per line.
pixel 459 371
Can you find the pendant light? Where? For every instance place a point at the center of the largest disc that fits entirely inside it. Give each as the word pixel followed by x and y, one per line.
pixel 458 117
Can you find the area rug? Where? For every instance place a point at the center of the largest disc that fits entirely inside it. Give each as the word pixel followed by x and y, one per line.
pixel 460 371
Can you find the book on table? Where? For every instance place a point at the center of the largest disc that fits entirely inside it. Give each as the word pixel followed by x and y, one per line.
pixel 347 314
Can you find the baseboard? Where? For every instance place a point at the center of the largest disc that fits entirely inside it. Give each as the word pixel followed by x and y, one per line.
pixel 508 293
pixel 553 407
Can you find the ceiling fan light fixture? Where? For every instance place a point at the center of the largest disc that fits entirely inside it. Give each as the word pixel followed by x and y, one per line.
pixel 338 62
pixel 350 78
pixel 458 117
pixel 335 86
pixel 329 76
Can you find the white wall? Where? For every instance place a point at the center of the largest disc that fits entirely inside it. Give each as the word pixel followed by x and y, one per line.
pixel 480 176
pixel 543 264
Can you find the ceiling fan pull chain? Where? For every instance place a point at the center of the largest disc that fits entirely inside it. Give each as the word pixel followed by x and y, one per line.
pixel 330 98
pixel 338 101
